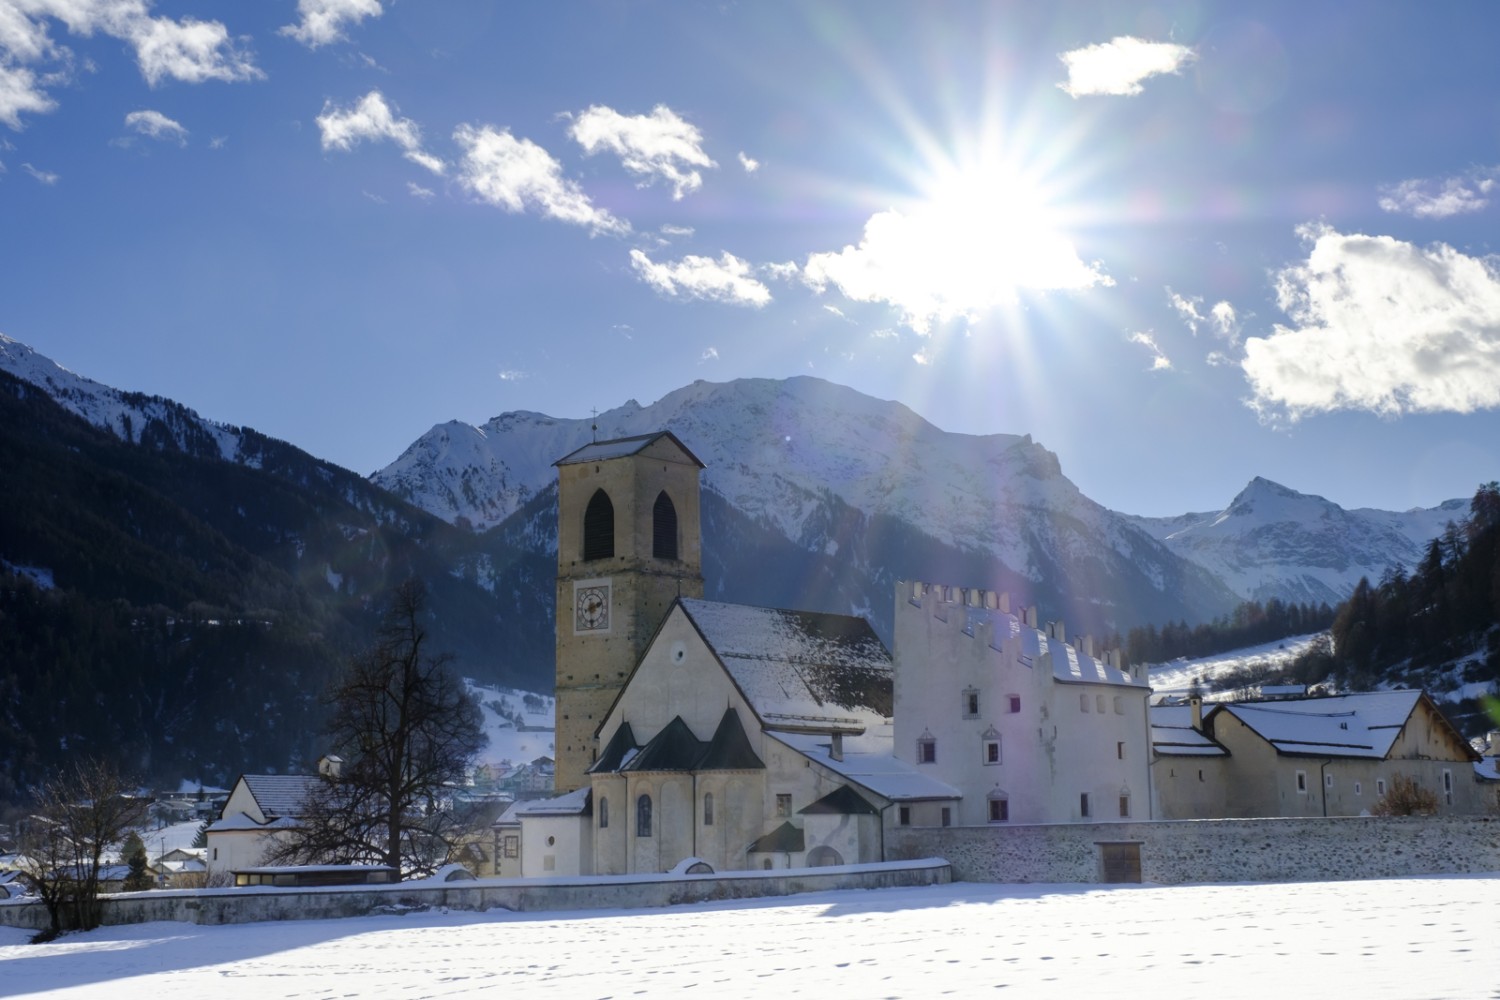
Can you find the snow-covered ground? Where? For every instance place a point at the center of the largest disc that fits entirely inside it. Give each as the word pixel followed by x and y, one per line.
pixel 1175 677
pixel 1398 938
pixel 507 740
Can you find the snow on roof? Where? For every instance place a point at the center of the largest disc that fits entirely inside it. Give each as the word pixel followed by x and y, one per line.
pixel 1173 735
pixel 1487 769
pixel 599 451
pixel 1351 725
pixel 280 794
pixel 799 668
pixel 573 803
pixel 870 762
pixel 240 821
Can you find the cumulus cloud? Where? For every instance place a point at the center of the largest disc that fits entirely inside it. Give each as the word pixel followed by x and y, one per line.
pixel 710 354
pixel 517 174
pixel 1441 198
pixel 1379 325
pixel 750 165
pixel 658 145
pixel 323 20
pixel 1118 66
pixel 188 49
pixel 1226 322
pixel 373 119
pixel 938 266
pixel 1159 360
pixel 156 125
pixel 727 279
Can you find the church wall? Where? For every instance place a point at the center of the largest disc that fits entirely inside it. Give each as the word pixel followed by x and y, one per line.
pixel 611 807
pixel 556 846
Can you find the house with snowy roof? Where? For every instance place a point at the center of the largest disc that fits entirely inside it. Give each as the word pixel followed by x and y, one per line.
pixel 260 809
pixel 1310 756
pixel 1027 726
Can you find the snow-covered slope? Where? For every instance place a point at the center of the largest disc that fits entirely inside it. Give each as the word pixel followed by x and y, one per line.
pixel 1275 542
pixel 130 416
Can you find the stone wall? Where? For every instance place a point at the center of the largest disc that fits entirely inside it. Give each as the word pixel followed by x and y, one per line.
pixel 247 904
pixel 1220 850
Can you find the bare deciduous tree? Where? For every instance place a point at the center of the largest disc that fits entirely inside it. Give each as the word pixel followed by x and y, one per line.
pixel 408 731
pixel 1405 797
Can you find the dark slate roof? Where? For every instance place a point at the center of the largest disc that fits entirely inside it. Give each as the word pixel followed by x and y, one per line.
pixel 280 795
pixel 799 669
pixel 785 839
pixel 730 748
pixel 620 748
pixel 599 451
pixel 842 801
pixel 675 748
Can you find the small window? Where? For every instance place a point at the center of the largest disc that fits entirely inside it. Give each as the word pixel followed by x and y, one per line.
pixel 765 863
pixel 512 847
pixel 999 810
pixel 1119 705
pixel 927 750
pixel 643 816
pixel 1327 781
pixel 1358 788
pixel 1301 782
pixel 708 808
pixel 903 816
pixel 1015 704
pixel 1124 806
pixel 1083 703
pixel 947 816
pixel 603 813
pixel 992 751
pixel 1379 786
pixel 1448 787
pixel 1099 703
pixel 1120 750
pixel 1200 774
pixel 216 854
pixel 783 803
pixel 1083 805
pixel 971 703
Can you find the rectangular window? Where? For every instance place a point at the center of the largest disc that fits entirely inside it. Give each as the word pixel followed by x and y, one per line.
pixel 1301 782
pixel 1124 806
pixel 1119 705
pixel 903 816
pixel 1358 788
pixel 1379 786
pixel 1083 703
pixel 971 704
pixel 708 809
pixel 947 816
pixel 1120 750
pixel 783 803
pixel 1448 787
pixel 1015 704
pixel 512 847
pixel 1083 805
pixel 999 810
pixel 992 751
pixel 1327 781
pixel 927 751
pixel 1099 703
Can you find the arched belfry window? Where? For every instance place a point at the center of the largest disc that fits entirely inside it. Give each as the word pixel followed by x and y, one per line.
pixel 599 527
pixel 663 528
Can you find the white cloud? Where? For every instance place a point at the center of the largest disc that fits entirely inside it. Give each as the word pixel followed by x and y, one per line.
pixel 787 271
pixel 1379 325
pixel 45 176
pixel 711 354
pixel 1119 65
pixel 656 145
pixel 943 265
pixel 189 50
pixel 513 375
pixel 676 231
pixel 1187 308
pixel 835 310
pixel 517 174
pixel 751 166
pixel 1159 360
pixel 727 279
pixel 156 125
pixel 418 191
pixel 323 20
pixel 1226 322
pixel 1439 199
pixel 922 357
pixel 218 142
pixel 373 119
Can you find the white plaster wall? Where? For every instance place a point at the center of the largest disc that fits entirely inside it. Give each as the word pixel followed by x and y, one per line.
pixel 556 846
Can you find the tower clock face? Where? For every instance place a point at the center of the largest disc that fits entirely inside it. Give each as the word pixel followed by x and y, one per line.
pixel 591 607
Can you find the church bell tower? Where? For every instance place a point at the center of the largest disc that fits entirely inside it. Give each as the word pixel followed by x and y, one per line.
pixel 628 544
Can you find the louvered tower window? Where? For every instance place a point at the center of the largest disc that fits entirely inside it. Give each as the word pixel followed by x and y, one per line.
pixel 599 527
pixel 664 528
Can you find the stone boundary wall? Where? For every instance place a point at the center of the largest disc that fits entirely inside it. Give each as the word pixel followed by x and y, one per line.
pixel 1217 850
pixel 252 903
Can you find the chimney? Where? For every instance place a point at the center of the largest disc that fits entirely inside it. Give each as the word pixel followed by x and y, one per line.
pixel 1056 630
pixel 836 748
pixel 1196 703
pixel 1003 602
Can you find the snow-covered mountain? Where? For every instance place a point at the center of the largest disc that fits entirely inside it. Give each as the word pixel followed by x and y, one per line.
pixel 1275 542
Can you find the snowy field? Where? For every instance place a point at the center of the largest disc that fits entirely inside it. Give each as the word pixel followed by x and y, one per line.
pixel 1399 938
pixel 1176 676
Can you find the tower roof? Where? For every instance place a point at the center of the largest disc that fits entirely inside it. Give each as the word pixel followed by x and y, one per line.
pixel 598 451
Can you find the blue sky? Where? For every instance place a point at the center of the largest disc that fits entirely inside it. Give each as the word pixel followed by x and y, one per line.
pixel 1181 245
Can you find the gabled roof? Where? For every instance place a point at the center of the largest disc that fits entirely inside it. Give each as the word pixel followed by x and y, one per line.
pixel 1353 725
pixel 785 839
pixel 599 451
pixel 870 762
pixel 675 748
pixel 730 749
pixel 1173 735
pixel 798 669
pixel 620 748
pixel 842 801
pixel 280 795
pixel 578 802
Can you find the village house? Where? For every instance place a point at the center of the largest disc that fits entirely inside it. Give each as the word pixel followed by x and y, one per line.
pixel 261 808
pixel 1028 727
pixel 1308 756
